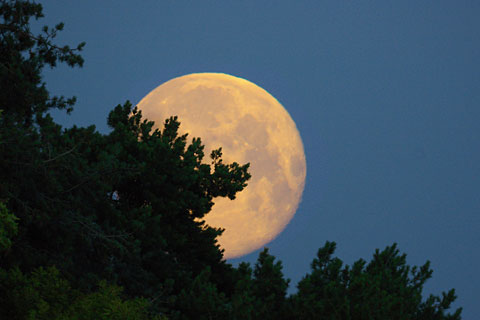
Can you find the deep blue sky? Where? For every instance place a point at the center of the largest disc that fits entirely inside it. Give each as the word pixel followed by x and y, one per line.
pixel 385 94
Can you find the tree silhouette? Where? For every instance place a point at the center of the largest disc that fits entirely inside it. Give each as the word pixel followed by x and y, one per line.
pixel 109 226
pixel 385 288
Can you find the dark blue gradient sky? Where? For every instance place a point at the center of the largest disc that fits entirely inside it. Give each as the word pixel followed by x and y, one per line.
pixel 385 94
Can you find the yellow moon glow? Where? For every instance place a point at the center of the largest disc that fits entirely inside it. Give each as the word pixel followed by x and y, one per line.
pixel 251 126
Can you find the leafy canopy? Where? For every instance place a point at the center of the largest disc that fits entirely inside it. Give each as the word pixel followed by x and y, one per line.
pixel 109 226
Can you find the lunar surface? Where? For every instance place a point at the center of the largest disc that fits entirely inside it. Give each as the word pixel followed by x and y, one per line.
pixel 251 126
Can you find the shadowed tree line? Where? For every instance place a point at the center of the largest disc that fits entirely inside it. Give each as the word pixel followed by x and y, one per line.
pixel 107 226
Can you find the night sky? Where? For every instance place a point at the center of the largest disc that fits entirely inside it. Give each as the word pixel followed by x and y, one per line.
pixel 385 94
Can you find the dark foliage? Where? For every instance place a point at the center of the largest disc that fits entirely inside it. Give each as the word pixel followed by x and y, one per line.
pixel 385 288
pixel 109 226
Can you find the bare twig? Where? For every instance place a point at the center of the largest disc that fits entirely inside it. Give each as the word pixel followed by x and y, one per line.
pixel 60 155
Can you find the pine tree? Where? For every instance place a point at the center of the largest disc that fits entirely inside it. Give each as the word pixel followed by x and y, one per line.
pixel 385 288
pixel 269 287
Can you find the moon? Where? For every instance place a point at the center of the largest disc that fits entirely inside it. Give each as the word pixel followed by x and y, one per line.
pixel 251 126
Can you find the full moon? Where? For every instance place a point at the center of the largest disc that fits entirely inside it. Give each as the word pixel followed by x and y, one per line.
pixel 251 126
